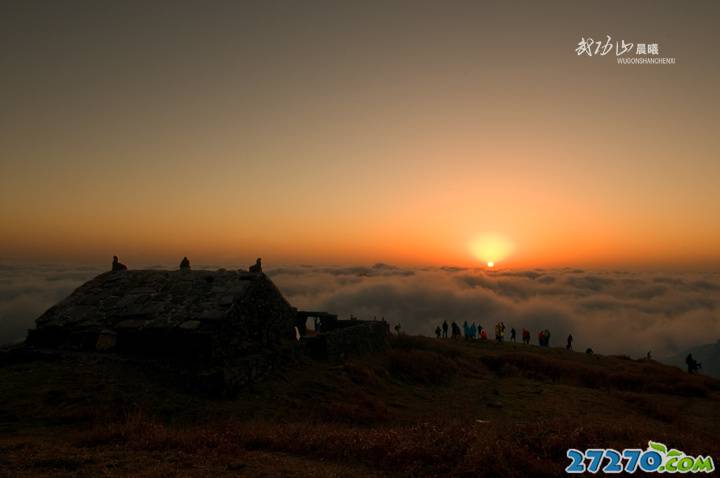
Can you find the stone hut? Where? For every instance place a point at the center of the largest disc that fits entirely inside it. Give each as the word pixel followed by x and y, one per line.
pixel 189 313
pixel 220 330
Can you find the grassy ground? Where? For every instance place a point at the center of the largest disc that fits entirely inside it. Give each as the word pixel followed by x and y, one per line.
pixel 423 408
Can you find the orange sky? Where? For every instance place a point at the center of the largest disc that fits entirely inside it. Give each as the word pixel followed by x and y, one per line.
pixel 364 133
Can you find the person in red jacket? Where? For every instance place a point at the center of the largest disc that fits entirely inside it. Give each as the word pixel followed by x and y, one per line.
pixel 526 336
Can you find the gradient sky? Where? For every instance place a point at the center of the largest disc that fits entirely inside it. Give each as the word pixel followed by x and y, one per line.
pixel 346 132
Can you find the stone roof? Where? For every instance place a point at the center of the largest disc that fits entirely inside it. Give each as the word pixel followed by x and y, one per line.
pixel 232 310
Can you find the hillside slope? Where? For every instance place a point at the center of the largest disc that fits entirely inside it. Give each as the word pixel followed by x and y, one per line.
pixel 424 407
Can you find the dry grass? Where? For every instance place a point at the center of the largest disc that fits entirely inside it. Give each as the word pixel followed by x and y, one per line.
pixel 613 373
pixel 651 406
pixel 421 366
pixel 412 411
pixel 427 449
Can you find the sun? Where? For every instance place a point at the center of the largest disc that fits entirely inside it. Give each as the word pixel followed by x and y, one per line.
pixel 491 248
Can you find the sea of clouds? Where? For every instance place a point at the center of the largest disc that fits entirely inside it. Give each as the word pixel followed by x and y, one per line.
pixel 28 291
pixel 610 311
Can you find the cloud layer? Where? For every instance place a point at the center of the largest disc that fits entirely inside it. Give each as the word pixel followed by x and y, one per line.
pixel 612 312
pixel 28 291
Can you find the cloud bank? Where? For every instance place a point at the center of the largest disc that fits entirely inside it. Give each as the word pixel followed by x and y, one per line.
pixel 612 312
pixel 28 291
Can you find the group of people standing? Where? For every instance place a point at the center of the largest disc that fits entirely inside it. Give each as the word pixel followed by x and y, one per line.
pixel 476 331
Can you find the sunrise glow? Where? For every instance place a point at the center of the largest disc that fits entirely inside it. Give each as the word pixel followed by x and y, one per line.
pixel 220 217
pixel 376 147
pixel 491 248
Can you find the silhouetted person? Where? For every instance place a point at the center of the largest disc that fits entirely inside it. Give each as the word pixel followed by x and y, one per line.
pixel 692 364
pixel 438 331
pixel 466 330
pixel 257 267
pixel 569 342
pixel 185 264
pixel 649 355
pixel 499 331
pixel 444 328
pixel 526 336
pixel 513 334
pixel 455 330
pixel 117 265
pixel 544 338
pixel 397 329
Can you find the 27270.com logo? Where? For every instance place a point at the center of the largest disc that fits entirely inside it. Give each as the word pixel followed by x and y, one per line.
pixel 656 459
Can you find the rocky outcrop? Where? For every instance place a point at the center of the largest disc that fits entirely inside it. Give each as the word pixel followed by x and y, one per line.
pixel 187 313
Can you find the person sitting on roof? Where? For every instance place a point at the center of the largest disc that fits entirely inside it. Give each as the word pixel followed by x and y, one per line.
pixel 257 267
pixel 184 264
pixel 118 266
